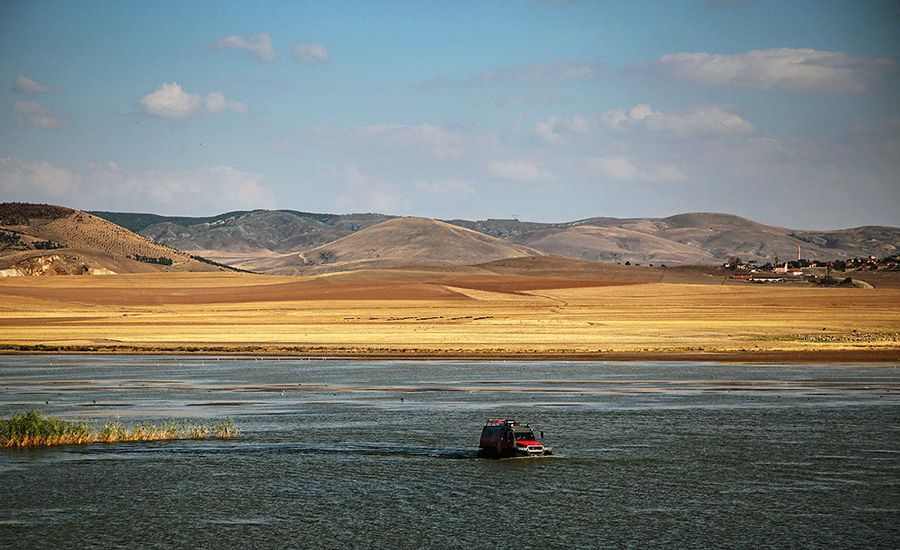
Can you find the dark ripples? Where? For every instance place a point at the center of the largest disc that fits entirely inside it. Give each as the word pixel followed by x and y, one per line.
pixel 384 455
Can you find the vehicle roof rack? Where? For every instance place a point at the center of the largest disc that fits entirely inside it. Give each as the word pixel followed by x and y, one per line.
pixel 501 422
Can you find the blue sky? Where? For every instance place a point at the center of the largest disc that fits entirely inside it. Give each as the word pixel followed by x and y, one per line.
pixel 787 113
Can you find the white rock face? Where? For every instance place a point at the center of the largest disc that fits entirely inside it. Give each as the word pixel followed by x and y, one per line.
pixel 53 264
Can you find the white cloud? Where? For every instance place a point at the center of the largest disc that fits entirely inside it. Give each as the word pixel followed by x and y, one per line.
pixel 529 73
pixel 259 45
pixel 520 171
pixel 793 70
pixel 108 186
pixel 25 85
pixel 884 136
pixel 554 129
pixel 552 71
pixel 215 187
pixel 426 138
pixel 449 186
pixel 29 113
pixel 310 53
pixel 699 121
pixel 621 168
pixel 437 140
pixel 216 102
pixel 170 101
pixel 365 193
pixel 20 179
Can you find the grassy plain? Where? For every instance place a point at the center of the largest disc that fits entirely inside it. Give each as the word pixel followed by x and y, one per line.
pixel 447 314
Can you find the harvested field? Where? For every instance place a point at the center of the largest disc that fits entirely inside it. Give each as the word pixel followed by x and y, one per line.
pixel 467 313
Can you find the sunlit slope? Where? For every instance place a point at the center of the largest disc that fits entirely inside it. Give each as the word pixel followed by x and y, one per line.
pixel 618 244
pixel 53 240
pixel 401 242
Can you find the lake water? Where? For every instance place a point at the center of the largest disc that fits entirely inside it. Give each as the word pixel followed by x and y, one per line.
pixel 358 454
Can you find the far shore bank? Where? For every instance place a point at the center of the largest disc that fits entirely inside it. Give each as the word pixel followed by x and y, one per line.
pixel 870 356
pixel 379 316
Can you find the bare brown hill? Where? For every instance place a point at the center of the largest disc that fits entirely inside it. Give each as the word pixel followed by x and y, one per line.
pixel 254 239
pixel 725 235
pixel 399 242
pixel 595 243
pixel 37 239
pixel 692 238
pixel 245 238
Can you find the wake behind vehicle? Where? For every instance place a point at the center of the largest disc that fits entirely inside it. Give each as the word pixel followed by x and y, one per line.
pixel 506 438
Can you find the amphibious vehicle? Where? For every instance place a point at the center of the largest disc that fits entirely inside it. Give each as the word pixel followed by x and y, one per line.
pixel 506 438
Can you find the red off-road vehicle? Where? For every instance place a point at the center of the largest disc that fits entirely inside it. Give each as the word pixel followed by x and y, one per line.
pixel 505 438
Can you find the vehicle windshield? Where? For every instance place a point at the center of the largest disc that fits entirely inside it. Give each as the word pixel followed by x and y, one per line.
pixel 525 436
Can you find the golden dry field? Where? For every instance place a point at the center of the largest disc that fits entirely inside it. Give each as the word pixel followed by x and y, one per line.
pixel 397 313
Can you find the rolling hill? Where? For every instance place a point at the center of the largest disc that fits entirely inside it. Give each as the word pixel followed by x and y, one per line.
pixel 39 239
pixel 246 238
pixel 612 244
pixel 399 242
pixel 689 239
pixel 259 239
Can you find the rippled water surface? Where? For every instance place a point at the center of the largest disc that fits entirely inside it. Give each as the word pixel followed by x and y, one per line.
pixel 344 453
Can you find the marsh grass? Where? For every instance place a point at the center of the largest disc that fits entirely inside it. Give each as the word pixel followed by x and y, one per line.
pixel 34 429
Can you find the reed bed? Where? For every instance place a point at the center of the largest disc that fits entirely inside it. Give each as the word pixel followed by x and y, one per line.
pixel 34 429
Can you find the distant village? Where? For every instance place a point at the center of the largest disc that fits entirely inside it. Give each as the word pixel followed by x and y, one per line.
pixel 801 270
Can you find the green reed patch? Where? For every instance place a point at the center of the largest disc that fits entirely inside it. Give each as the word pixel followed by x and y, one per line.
pixel 34 429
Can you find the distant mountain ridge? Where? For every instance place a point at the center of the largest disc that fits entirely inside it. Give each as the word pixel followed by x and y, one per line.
pixel 256 238
pixel 697 237
pixel 277 231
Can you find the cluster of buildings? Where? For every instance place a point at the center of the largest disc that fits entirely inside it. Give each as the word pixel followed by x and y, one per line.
pixel 888 263
pixel 793 271
pixel 778 275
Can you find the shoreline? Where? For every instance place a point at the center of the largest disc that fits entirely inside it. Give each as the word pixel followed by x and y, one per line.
pixel 879 356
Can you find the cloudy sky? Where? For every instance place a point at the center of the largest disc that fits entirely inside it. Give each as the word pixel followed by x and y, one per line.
pixel 784 112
